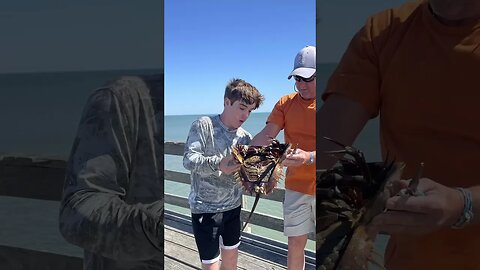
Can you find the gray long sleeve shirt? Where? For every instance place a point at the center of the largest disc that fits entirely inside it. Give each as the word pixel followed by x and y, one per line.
pixel 208 142
pixel 112 204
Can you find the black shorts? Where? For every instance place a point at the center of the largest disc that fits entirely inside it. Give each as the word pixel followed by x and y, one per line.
pixel 209 227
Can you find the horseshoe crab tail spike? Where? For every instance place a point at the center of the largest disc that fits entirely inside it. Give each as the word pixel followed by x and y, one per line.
pixel 334 152
pixel 251 212
pixel 334 141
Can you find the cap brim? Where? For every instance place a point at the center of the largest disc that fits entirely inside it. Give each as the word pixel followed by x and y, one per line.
pixel 302 72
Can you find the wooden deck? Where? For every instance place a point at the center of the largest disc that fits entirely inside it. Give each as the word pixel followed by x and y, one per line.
pixel 30 190
pixel 23 246
pixel 255 252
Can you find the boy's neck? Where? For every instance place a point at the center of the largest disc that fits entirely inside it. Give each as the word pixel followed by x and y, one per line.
pixel 225 122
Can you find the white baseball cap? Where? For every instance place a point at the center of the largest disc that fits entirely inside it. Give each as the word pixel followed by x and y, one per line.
pixel 305 63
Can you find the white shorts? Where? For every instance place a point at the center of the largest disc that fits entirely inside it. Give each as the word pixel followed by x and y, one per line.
pixel 298 213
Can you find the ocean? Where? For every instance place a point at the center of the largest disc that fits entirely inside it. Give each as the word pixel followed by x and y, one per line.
pixel 39 114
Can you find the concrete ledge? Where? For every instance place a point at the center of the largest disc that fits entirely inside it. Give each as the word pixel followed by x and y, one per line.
pixel 31 177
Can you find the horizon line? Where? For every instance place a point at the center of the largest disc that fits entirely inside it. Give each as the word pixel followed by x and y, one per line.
pixel 195 114
pixel 161 70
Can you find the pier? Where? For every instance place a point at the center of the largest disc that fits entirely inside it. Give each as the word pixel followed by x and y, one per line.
pixel 30 191
pixel 255 252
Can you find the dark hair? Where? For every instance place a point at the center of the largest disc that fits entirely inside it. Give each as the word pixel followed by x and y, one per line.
pixel 240 90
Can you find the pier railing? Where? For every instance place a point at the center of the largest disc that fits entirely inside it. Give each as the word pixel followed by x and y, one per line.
pixel 274 251
pixel 260 219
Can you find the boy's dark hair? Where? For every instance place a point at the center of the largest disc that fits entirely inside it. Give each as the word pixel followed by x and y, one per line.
pixel 240 90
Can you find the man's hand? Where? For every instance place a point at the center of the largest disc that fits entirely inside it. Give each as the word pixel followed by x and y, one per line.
pixel 228 165
pixel 296 158
pixel 436 206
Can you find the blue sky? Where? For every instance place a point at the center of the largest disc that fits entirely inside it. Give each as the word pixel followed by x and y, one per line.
pixel 209 42
pixel 68 35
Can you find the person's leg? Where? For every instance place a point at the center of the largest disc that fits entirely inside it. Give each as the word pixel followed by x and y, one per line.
pixel 206 232
pixel 296 253
pixel 299 220
pixel 229 258
pixel 206 265
pixel 230 239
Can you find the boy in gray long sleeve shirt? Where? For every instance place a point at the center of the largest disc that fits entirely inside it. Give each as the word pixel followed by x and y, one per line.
pixel 215 197
pixel 112 203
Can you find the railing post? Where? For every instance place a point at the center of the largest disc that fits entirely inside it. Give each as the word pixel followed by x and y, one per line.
pixel 248 229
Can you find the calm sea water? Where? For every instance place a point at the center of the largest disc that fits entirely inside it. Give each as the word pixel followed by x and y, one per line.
pixel 39 114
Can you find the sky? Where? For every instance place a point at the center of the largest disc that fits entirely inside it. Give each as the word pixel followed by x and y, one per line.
pixel 68 35
pixel 207 43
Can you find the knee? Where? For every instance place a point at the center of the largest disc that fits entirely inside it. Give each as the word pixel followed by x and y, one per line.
pixel 297 242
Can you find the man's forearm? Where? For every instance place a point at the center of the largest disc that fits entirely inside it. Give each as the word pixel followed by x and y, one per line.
pixel 260 139
pixel 325 161
pixel 265 136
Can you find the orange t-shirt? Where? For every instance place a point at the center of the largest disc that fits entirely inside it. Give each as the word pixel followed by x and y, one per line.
pixel 423 79
pixel 296 117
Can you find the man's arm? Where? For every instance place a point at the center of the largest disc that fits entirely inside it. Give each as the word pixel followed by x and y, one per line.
pixel 341 119
pixel 265 136
pixel 94 214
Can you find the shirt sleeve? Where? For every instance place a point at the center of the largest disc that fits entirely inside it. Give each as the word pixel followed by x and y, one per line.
pixel 195 159
pixel 94 214
pixel 277 116
pixel 357 76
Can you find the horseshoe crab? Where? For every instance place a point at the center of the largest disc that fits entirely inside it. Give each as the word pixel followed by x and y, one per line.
pixel 260 169
pixel 350 195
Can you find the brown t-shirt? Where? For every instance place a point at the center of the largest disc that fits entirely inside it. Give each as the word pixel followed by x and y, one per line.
pixel 422 78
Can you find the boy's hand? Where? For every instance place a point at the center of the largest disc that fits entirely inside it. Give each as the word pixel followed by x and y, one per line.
pixel 228 165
